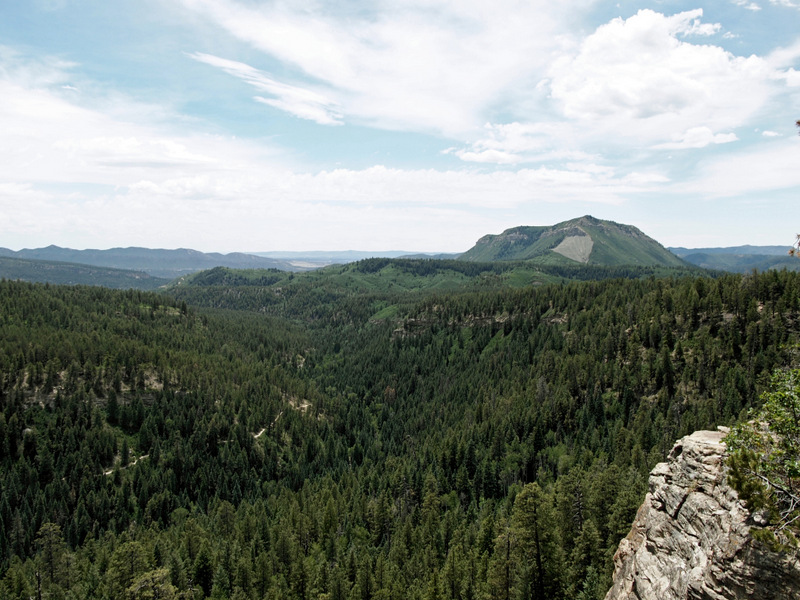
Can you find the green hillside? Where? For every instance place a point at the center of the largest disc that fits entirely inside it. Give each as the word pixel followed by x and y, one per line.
pixel 585 240
pixel 363 288
pixel 385 444
pixel 45 271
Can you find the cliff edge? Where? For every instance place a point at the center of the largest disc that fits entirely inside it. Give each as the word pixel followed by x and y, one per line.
pixel 690 539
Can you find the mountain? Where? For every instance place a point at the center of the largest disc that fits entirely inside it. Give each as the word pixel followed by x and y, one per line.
pixel 746 250
pixel 157 262
pixel 585 240
pixel 48 271
pixel 740 259
pixel 742 263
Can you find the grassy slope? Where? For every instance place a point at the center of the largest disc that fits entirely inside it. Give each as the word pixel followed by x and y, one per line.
pixel 613 249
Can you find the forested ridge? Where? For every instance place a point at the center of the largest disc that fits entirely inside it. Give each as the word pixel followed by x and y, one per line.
pixel 352 443
pixel 349 292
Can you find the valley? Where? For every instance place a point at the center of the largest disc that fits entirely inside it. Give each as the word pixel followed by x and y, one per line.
pixel 350 439
pixel 388 428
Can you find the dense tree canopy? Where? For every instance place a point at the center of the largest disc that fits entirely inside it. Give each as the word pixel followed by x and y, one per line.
pixel 765 460
pixel 387 444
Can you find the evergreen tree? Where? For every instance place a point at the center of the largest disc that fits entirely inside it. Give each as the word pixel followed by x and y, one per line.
pixel 538 548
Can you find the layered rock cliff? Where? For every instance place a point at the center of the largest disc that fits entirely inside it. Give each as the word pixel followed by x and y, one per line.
pixel 690 539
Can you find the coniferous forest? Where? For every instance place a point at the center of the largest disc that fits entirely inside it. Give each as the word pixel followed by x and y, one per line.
pixel 228 439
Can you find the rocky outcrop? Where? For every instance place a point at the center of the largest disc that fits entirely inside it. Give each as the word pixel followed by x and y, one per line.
pixel 690 539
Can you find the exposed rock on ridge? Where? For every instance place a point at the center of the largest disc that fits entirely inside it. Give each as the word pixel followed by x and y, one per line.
pixel 690 539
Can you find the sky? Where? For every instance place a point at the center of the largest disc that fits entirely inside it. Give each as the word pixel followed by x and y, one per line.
pixel 418 125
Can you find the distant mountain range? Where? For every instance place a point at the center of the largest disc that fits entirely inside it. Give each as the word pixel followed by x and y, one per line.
pixel 740 259
pixel 746 250
pixel 167 264
pixel 585 240
pixel 582 241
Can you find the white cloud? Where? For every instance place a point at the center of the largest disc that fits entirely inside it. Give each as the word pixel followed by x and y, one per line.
pixel 748 172
pixel 770 133
pixel 383 186
pixel 697 137
pixel 298 101
pixel 48 138
pixel 132 151
pixel 791 77
pixel 699 28
pixel 517 143
pixel 637 83
pixel 33 71
pixel 25 210
pixel 747 4
pixel 378 207
pixel 433 66
pixel 78 164
pixel 634 81
pixel 784 57
pixel 63 136
pixel 497 157
pixel 109 177
pixel 443 66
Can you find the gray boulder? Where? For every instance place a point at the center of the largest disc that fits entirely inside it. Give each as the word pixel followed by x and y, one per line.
pixel 690 539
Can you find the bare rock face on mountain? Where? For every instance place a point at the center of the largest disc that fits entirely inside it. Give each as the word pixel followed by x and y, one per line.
pixel 690 539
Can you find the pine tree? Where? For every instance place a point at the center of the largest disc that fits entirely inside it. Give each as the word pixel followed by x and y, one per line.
pixel 535 527
pixel 52 552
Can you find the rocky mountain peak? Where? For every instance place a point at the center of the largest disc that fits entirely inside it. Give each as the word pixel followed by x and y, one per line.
pixel 690 539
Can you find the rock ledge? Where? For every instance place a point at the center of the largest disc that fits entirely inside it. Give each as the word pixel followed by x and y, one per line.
pixel 690 539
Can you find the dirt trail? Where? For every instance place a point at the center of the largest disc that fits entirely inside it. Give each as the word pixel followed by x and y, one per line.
pixel 130 464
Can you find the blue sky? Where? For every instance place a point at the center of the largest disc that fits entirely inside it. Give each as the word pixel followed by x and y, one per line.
pixel 248 125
